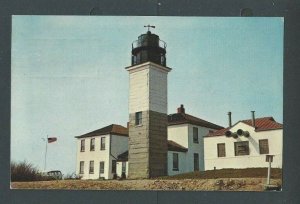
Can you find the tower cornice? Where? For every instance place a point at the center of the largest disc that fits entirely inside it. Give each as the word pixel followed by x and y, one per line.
pixel 146 65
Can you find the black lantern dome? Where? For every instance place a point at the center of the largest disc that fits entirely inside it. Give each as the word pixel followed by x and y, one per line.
pixel 148 48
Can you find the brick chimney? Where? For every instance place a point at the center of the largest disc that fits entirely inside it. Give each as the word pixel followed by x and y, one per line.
pixel 181 109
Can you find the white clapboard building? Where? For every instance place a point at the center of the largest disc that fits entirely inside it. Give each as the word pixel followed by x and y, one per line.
pixel 103 153
pixel 186 131
pixel 97 152
pixel 244 144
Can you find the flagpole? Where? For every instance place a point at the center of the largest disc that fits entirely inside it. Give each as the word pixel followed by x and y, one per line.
pixel 46 154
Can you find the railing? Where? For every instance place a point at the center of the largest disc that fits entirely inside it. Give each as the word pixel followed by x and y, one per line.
pixel 138 43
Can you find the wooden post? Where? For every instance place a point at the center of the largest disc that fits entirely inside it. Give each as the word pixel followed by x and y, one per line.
pixel 269 158
pixel 269 173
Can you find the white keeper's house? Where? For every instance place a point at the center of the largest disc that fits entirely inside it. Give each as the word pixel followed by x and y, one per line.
pixel 244 144
pixel 103 153
pixel 97 152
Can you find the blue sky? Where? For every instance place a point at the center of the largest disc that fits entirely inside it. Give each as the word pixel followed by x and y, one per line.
pixel 68 75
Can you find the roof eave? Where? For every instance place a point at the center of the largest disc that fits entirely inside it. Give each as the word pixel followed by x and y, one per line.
pixel 261 130
pixel 85 136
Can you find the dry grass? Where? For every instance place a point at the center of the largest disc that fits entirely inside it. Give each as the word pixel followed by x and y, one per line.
pixel 238 184
pixel 223 180
pixel 276 173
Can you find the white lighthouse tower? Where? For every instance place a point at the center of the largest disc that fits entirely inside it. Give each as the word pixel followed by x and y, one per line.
pixel 148 102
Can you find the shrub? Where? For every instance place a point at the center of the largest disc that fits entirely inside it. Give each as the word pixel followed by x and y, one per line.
pixel 24 171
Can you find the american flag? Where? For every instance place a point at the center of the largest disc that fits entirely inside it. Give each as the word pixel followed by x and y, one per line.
pixel 51 139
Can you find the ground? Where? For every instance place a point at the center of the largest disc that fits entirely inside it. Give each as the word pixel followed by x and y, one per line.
pixel 224 180
pixel 237 184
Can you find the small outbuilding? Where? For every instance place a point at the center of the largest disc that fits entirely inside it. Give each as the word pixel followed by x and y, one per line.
pixel 244 144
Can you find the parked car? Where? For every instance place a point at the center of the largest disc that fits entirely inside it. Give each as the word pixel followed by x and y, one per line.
pixel 53 175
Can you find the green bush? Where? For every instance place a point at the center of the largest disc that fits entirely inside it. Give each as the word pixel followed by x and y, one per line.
pixel 24 171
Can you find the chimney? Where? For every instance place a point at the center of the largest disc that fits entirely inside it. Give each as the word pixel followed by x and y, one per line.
pixel 253 119
pixel 127 125
pixel 181 109
pixel 229 119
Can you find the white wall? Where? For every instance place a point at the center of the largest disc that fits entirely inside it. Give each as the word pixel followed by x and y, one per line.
pixel 181 163
pixel 158 90
pixel 148 88
pixel 119 169
pixel 138 91
pixel 254 159
pixel 119 144
pixel 179 134
pixel 183 135
pixel 96 156
pixel 196 147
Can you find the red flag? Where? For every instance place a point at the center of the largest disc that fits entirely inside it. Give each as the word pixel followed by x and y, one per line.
pixel 51 139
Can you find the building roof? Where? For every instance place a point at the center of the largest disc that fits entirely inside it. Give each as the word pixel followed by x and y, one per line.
pixel 173 146
pixel 182 118
pixel 261 124
pixel 111 129
pixel 123 156
pixel 173 119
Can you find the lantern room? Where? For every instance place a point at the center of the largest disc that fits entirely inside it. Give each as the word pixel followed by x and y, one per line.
pixel 147 48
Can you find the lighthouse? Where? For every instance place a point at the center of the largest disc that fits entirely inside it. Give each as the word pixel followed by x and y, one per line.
pixel 148 102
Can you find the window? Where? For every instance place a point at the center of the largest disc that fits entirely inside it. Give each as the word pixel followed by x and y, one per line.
pixel 102 146
pixel 241 148
pixel 102 167
pixel 92 144
pixel 196 162
pixel 91 167
pixel 221 150
pixel 123 167
pixel 195 135
pixel 175 162
pixel 263 146
pixel 138 118
pixel 162 59
pixel 82 145
pixel 81 167
pixel 113 166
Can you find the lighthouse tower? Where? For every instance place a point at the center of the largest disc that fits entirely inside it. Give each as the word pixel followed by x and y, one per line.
pixel 147 151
